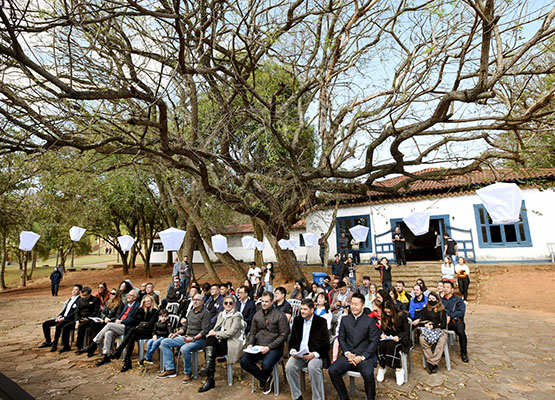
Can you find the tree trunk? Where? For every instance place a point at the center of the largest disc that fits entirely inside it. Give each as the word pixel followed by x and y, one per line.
pixel 124 263
pixel 210 270
pixel 34 257
pixel 287 260
pixel 259 235
pixel 4 260
pixel 23 268
pixel 327 235
pixel 72 255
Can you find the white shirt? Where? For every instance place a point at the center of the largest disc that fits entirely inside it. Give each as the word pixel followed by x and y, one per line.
pixel 243 303
pixel 70 304
pixel 447 271
pixel 253 274
pixel 307 325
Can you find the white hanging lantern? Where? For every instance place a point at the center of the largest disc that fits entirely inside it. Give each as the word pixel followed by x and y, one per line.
pixel 418 222
pixel 76 233
pixel 502 201
pixel 126 242
pixel 172 239
pixel 27 240
pixel 248 242
pixel 359 233
pixel 293 244
pixel 260 246
pixel 309 239
pixel 219 243
pixel 284 244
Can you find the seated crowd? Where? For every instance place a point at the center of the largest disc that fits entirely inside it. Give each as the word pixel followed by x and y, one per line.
pixel 333 326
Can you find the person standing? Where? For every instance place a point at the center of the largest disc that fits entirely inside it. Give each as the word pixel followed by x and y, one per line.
pixel 385 272
pixel 269 332
pixel 437 247
pixel 55 278
pixel 253 273
pixel 309 333
pixel 343 243
pixel 269 277
pixel 463 277
pixel 338 267
pixel 355 247
pixel 322 245
pixel 358 337
pixel 451 249
pixel 400 248
pixel 350 266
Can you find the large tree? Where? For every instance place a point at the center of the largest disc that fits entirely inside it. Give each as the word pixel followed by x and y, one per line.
pixel 386 86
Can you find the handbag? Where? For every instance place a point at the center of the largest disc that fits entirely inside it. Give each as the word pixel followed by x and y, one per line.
pixel 431 336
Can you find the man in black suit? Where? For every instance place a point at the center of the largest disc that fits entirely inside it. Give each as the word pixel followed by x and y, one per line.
pixel 309 332
pixel 245 306
pixel 358 338
pixel 66 317
pixel 87 306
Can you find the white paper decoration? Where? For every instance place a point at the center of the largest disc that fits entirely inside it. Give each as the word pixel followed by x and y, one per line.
pixel 126 242
pixel 290 244
pixel 76 233
pixel 502 201
pixel 27 240
pixel 172 239
pixel 418 222
pixel 260 246
pixel 309 239
pixel 248 242
pixel 359 233
pixel 219 243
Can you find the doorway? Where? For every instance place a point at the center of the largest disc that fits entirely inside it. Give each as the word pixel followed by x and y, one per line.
pixel 422 248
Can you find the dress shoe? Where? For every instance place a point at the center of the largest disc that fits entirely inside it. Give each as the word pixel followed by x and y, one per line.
pixel 209 384
pixel 464 357
pixel 187 378
pixel 91 349
pixel 429 368
pixel 126 366
pixel 434 369
pixel 64 349
pixel 53 348
pixel 45 345
pixel 80 351
pixel 105 360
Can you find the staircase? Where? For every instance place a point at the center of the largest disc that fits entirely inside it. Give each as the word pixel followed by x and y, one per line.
pixel 428 271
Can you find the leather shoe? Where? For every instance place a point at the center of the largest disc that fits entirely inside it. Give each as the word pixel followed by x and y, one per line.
pixel 80 351
pixel 64 349
pixel 429 368
pixel 90 349
pixel 126 367
pixel 105 360
pixel 209 384
pixel 464 358
pixel 53 348
pixel 45 345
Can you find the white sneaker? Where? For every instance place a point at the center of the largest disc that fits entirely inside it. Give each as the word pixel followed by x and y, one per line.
pixel 400 377
pixel 381 374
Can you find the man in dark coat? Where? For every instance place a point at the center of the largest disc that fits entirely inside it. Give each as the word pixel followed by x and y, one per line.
pixel 309 333
pixel 358 338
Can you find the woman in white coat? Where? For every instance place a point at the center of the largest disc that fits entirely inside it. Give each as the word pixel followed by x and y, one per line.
pixel 225 339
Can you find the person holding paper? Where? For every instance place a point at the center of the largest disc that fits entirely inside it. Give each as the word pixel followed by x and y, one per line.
pixel 309 346
pixel 87 306
pixel 66 316
pixel 270 330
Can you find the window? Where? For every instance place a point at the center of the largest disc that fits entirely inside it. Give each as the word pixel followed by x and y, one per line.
pixel 508 235
pixel 343 224
pixel 301 241
pixel 158 247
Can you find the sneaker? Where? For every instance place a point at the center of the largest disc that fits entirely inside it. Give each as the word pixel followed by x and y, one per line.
pixel 400 377
pixel 268 385
pixel 465 302
pixel 167 374
pixel 381 374
pixel 187 378
pixel 146 360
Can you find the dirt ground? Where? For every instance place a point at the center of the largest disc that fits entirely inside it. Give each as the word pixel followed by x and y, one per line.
pixel 510 330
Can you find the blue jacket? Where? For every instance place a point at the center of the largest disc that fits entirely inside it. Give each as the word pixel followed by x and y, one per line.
pixel 454 307
pixel 129 322
pixel 415 307
pixel 56 276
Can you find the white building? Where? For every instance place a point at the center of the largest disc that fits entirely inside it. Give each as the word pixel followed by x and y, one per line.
pixel 454 207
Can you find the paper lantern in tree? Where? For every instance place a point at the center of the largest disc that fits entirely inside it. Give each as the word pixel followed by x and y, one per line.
pixel 359 233
pixel 27 240
pixel 76 233
pixel 293 244
pixel 309 239
pixel 172 239
pixel 260 246
pixel 248 242
pixel 284 244
pixel 219 243
pixel 126 242
pixel 418 222
pixel 502 202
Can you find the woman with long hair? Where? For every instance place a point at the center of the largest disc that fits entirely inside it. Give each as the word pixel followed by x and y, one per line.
pixel 370 296
pixel 146 316
pixel 125 287
pixel 463 277
pixel 102 293
pixel 385 272
pixel 448 270
pixel 112 308
pixel 433 317
pixel 313 291
pixel 322 308
pixel 393 340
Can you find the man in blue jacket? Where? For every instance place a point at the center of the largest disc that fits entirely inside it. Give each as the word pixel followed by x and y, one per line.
pixel 358 338
pixel 455 309
pixel 112 330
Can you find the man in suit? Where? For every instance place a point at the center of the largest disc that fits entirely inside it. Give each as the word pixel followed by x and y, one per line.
pixel 111 330
pixel 66 316
pixel 309 332
pixel 246 307
pixel 87 306
pixel 358 338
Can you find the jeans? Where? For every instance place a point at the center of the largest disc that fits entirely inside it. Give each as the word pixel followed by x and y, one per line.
pixel 186 349
pixel 248 363
pixel 356 256
pixel 268 287
pixel 386 284
pixel 151 346
pixel 353 280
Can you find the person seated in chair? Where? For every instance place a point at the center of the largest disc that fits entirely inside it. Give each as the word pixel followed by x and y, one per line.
pixel 65 317
pixel 309 332
pixel 245 306
pixel 175 293
pixel 433 317
pixel 269 331
pixel 87 306
pixel 358 338
pixel 281 304
pixel 403 298
pixel 214 304
pixel 455 309
pixel 224 339
pixel 341 298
